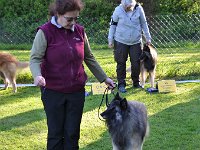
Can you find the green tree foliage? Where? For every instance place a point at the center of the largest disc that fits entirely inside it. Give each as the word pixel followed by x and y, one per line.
pixel 177 6
pixel 96 15
pixel 32 13
pixel 20 8
pixel 29 14
pixel 93 8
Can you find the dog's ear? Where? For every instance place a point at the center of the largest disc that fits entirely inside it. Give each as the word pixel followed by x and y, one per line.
pixel 123 104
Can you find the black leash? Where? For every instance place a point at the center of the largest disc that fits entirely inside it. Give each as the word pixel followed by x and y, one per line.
pixel 107 101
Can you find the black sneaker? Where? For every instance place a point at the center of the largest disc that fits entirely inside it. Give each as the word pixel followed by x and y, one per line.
pixel 122 89
pixel 137 86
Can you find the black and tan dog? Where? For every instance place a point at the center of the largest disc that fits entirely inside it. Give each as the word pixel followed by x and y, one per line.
pixel 148 61
pixel 8 69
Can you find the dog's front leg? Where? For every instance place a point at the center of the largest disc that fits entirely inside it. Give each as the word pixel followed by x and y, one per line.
pixel 152 76
pixel 6 82
pixel 114 146
pixel 143 77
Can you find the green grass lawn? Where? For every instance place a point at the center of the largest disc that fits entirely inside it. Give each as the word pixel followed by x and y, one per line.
pixel 178 64
pixel 174 120
pixel 174 117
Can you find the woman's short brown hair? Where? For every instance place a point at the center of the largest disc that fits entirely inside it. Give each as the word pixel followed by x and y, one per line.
pixel 62 6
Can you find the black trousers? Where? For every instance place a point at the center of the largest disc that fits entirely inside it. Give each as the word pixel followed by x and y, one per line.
pixel 64 113
pixel 121 53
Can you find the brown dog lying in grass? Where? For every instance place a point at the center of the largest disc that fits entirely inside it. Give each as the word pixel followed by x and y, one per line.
pixel 8 69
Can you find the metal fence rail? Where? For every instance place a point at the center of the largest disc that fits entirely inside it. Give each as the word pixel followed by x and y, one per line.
pixel 168 31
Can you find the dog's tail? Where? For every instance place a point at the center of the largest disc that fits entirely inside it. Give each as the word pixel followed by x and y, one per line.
pixel 22 65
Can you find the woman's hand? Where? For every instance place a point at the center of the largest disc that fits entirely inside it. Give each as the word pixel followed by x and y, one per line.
pixel 110 45
pixel 39 81
pixel 148 43
pixel 110 83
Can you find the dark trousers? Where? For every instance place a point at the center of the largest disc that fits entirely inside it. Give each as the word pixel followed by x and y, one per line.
pixel 121 53
pixel 64 113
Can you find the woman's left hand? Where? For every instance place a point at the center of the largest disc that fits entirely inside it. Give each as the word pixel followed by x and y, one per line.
pixel 148 43
pixel 110 83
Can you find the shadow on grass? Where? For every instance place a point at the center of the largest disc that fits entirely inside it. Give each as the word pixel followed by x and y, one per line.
pixel 175 127
pixel 21 119
pixel 8 97
pixel 104 143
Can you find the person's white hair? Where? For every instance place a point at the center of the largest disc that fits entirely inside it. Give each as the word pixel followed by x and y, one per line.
pixel 128 2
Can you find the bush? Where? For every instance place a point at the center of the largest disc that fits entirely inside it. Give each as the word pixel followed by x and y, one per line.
pixel 177 7
pixel 29 14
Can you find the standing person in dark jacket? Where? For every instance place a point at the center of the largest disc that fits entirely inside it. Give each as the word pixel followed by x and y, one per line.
pixel 125 35
pixel 56 62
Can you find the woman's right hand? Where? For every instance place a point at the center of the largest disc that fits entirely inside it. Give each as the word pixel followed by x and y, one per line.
pixel 39 81
pixel 110 45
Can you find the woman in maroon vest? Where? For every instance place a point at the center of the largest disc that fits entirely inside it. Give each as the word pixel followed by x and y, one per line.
pixel 59 49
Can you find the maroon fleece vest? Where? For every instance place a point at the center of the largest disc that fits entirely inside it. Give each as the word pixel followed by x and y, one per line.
pixel 62 66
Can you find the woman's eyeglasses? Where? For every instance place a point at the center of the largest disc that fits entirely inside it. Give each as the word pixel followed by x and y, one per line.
pixel 70 19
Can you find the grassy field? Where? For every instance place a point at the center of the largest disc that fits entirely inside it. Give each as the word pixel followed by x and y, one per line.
pixel 174 117
pixel 178 64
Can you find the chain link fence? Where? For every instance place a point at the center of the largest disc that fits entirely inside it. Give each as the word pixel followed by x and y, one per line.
pixel 175 30
pixel 168 31
pixel 176 37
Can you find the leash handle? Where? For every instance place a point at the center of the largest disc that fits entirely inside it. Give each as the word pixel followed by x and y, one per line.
pixel 107 101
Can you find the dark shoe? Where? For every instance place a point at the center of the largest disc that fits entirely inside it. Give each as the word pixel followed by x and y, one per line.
pixel 137 86
pixel 152 90
pixel 122 89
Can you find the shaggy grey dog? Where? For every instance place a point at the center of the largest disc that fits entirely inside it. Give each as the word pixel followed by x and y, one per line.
pixel 127 123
